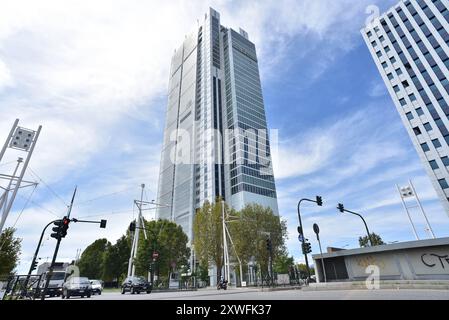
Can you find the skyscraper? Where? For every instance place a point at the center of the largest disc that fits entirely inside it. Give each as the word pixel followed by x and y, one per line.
pixel 215 141
pixel 409 44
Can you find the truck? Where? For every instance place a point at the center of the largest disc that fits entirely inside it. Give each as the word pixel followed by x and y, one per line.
pixel 56 280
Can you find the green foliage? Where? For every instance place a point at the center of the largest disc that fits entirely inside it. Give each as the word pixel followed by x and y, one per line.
pixel 377 240
pixel 208 234
pixel 116 259
pixel 303 269
pixel 249 234
pixel 282 264
pixel 9 251
pixel 169 240
pixel 91 263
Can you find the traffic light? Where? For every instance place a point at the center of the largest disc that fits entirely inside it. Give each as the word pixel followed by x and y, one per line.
pixel 306 248
pixel 341 207
pixel 57 229
pixel 34 265
pixel 268 244
pixel 132 226
pixel 103 224
pixel 319 201
pixel 64 227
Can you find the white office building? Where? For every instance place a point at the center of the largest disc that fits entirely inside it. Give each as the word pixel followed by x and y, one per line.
pixel 409 44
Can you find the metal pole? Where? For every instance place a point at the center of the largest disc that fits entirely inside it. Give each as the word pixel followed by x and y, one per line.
pixel 36 253
pixel 408 213
pixel 25 165
pixel 137 233
pixel 271 262
pixel 4 198
pixel 303 239
pixel 322 259
pixel 224 242
pixel 14 126
pixel 366 226
pixel 422 209
pixel 50 271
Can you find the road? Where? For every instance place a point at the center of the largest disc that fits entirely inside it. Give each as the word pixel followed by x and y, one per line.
pixel 255 294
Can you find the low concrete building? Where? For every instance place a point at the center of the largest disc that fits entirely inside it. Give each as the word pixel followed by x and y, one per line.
pixel 414 260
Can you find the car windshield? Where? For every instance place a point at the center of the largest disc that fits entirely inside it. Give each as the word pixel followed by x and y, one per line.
pixel 95 282
pixel 80 280
pixel 58 276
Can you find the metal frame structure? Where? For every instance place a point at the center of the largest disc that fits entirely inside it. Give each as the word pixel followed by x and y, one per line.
pixel 410 192
pixel 24 140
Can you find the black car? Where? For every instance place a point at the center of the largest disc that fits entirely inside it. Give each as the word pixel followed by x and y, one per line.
pixel 136 285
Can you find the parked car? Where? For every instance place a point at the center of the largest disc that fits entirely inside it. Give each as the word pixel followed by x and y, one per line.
pixel 76 286
pixel 97 286
pixel 136 285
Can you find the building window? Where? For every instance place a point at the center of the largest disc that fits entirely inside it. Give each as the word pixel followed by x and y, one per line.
pixel 374 43
pixel 436 143
pixel 412 97
pixel 419 111
pixel 443 184
pixel 387 48
pixel 434 165
pixel 405 84
pixel 398 71
pixel 390 76
pixel 425 147
pixel 369 34
pixel 445 161
pixel 379 54
pixel 402 101
pixel 384 65
pixel 409 115
pixel 396 89
pixel 428 126
pixel 417 131
pixel 392 59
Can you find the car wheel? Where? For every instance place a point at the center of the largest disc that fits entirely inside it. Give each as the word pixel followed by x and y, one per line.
pixel 148 291
pixel 67 294
pixel 99 293
pixel 88 295
pixel 123 290
pixel 132 290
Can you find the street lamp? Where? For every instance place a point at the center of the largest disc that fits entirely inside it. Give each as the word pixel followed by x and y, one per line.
pixel 342 209
pixel 302 239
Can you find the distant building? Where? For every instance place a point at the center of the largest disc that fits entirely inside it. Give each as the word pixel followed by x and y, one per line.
pixel 409 44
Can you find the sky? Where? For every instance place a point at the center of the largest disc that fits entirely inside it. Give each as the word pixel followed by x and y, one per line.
pixel 95 74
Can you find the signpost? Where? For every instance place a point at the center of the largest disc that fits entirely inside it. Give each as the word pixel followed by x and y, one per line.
pixel 316 229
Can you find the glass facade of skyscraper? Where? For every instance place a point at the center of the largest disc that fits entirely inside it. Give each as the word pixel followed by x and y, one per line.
pixel 216 140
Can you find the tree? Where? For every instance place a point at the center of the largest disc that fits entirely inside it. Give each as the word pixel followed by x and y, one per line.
pixel 91 263
pixel 208 235
pixel 250 232
pixel 375 238
pixel 169 240
pixel 10 249
pixel 303 270
pixel 116 259
pixel 283 263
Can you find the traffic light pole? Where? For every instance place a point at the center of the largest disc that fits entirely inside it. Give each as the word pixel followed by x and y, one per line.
pixel 32 267
pixel 50 271
pixel 342 209
pixel 319 202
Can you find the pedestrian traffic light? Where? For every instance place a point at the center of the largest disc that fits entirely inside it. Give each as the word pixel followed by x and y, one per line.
pixel 57 229
pixel 132 226
pixel 341 207
pixel 319 201
pixel 64 227
pixel 269 244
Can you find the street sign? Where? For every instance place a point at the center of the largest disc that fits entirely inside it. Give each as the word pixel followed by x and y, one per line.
pixel 301 238
pixel 316 229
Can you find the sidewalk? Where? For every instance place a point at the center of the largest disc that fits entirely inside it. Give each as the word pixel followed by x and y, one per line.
pixel 385 284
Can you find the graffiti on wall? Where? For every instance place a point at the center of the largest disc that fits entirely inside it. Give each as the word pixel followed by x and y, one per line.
pixel 432 260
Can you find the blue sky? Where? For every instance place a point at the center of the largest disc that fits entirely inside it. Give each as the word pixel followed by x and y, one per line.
pixel 95 76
